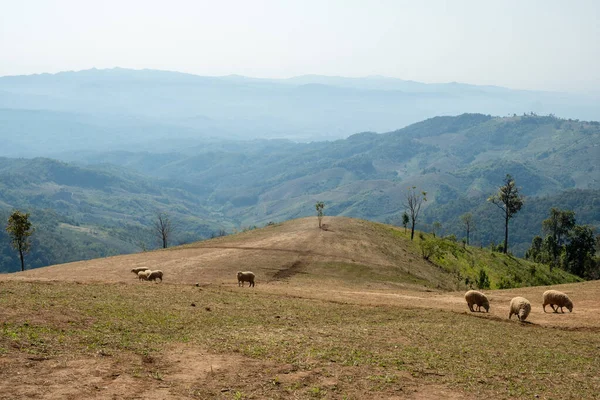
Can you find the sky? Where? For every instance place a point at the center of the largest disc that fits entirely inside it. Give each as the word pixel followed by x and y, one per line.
pixel 535 44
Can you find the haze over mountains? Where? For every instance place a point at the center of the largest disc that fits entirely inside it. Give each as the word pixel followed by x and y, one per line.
pixel 122 109
pixel 220 154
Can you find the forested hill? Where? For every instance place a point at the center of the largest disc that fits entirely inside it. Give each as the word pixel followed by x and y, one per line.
pixel 227 185
pixel 366 174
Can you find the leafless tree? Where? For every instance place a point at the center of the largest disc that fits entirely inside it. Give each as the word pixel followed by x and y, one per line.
pixel 467 220
pixel 413 203
pixel 163 228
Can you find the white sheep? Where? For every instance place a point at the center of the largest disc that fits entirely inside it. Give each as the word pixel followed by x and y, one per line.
pixel 246 276
pixel 143 275
pixel 153 275
pixel 473 297
pixel 521 307
pixel 560 299
pixel 138 269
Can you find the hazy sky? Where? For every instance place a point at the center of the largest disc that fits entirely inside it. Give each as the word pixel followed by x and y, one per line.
pixel 541 44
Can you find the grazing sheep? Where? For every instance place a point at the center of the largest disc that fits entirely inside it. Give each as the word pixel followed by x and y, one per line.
pixel 521 307
pixel 246 276
pixel 138 269
pixel 153 275
pixel 479 299
pixel 143 275
pixel 560 299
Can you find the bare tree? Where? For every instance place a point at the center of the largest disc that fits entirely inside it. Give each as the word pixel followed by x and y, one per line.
pixel 467 220
pixel 163 228
pixel 413 203
pixel 509 201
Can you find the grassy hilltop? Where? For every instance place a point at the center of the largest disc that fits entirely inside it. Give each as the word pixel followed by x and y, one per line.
pixel 347 252
pixel 349 312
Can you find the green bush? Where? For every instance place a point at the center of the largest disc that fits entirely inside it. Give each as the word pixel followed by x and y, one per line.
pixel 483 282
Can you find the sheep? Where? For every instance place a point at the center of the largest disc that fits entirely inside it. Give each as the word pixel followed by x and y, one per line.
pixel 138 269
pixel 153 275
pixel 143 275
pixel 521 307
pixel 473 297
pixel 246 276
pixel 560 299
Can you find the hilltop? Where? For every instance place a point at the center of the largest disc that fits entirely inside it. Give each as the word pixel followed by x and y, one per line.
pixel 348 252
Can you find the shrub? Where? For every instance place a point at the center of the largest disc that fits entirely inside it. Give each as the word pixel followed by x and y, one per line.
pixel 506 283
pixel 483 282
pixel 429 249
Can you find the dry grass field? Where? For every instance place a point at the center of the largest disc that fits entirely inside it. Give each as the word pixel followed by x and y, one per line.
pixel 350 312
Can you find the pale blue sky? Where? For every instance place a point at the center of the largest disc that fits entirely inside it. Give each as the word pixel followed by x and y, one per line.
pixel 541 44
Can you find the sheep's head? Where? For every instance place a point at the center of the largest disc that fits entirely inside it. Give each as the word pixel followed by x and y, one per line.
pixel 569 305
pixel 239 274
pixel 486 305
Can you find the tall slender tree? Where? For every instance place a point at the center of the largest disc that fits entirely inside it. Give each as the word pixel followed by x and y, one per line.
pixel 19 229
pixel 467 220
pixel 414 200
pixel 510 201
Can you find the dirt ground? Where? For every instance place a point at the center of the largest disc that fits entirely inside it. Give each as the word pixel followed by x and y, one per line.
pixel 184 371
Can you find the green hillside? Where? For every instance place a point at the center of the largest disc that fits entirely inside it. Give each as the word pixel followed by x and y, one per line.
pixel 466 264
pixel 228 185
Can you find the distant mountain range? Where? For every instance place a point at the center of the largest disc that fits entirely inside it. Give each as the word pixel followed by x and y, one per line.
pixel 122 109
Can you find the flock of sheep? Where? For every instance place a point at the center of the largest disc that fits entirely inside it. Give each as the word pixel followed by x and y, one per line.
pixel 145 274
pixel 520 306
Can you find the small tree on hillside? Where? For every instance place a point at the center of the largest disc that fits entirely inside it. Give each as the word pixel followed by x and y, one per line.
pixel 436 227
pixel 510 201
pixel 319 207
pixel 483 281
pixel 467 220
pixel 19 229
pixel 413 203
pixel 163 228
pixel 405 220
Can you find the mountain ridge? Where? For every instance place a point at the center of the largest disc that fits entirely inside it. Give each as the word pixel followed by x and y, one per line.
pixel 304 109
